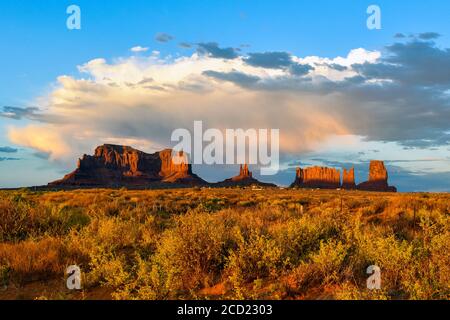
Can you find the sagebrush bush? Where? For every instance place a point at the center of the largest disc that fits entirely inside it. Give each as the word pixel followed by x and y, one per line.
pixel 255 258
pixel 192 254
pixel 35 260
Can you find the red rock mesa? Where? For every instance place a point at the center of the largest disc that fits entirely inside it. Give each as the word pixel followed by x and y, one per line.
pixel 318 177
pixel 113 165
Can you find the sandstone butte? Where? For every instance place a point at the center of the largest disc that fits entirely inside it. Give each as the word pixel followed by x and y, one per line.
pixel 245 178
pixel 113 165
pixel 330 178
pixel 378 179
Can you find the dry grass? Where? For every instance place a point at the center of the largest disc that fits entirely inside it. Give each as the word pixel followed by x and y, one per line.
pixel 224 243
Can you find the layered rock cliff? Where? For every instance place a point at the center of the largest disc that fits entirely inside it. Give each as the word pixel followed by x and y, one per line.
pixel 113 165
pixel 317 177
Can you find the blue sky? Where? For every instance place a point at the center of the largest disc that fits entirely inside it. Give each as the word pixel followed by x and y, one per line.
pixel 38 48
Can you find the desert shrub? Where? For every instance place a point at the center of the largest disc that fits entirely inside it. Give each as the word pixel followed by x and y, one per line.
pixel 22 220
pixel 147 282
pixel 212 205
pixel 18 220
pixel 329 260
pixel 349 291
pixel 71 218
pixel 107 246
pixel 256 258
pixel 322 267
pixel 298 237
pixel 428 276
pixel 108 268
pixel 190 255
pixel 391 255
pixel 35 260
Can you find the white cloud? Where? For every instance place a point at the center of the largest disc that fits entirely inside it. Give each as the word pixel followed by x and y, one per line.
pixel 139 49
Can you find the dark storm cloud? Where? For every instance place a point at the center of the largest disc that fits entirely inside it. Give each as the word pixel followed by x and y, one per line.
pixel 236 77
pixel 399 36
pixel 9 159
pixel 163 37
pixel 213 50
pixel 300 69
pixel 42 155
pixel 414 63
pixel 185 45
pixel 8 150
pixel 30 113
pixel 336 66
pixel 18 113
pixel 428 35
pixel 271 60
pixel 278 60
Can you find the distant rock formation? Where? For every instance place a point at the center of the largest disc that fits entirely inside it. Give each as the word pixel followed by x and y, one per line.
pixel 244 179
pixel 317 177
pixel 113 165
pixel 348 179
pixel 330 178
pixel 378 179
pixel 244 173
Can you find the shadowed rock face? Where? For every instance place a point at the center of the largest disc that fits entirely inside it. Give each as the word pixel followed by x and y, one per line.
pixel 245 178
pixel 317 177
pixel 348 179
pixel 113 165
pixel 378 179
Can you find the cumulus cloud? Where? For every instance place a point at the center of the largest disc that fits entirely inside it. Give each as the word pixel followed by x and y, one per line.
pixel 397 95
pixel 43 138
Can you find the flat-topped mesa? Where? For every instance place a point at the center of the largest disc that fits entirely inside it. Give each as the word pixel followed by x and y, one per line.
pixel 378 179
pixel 348 179
pixel 317 177
pixel 114 165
